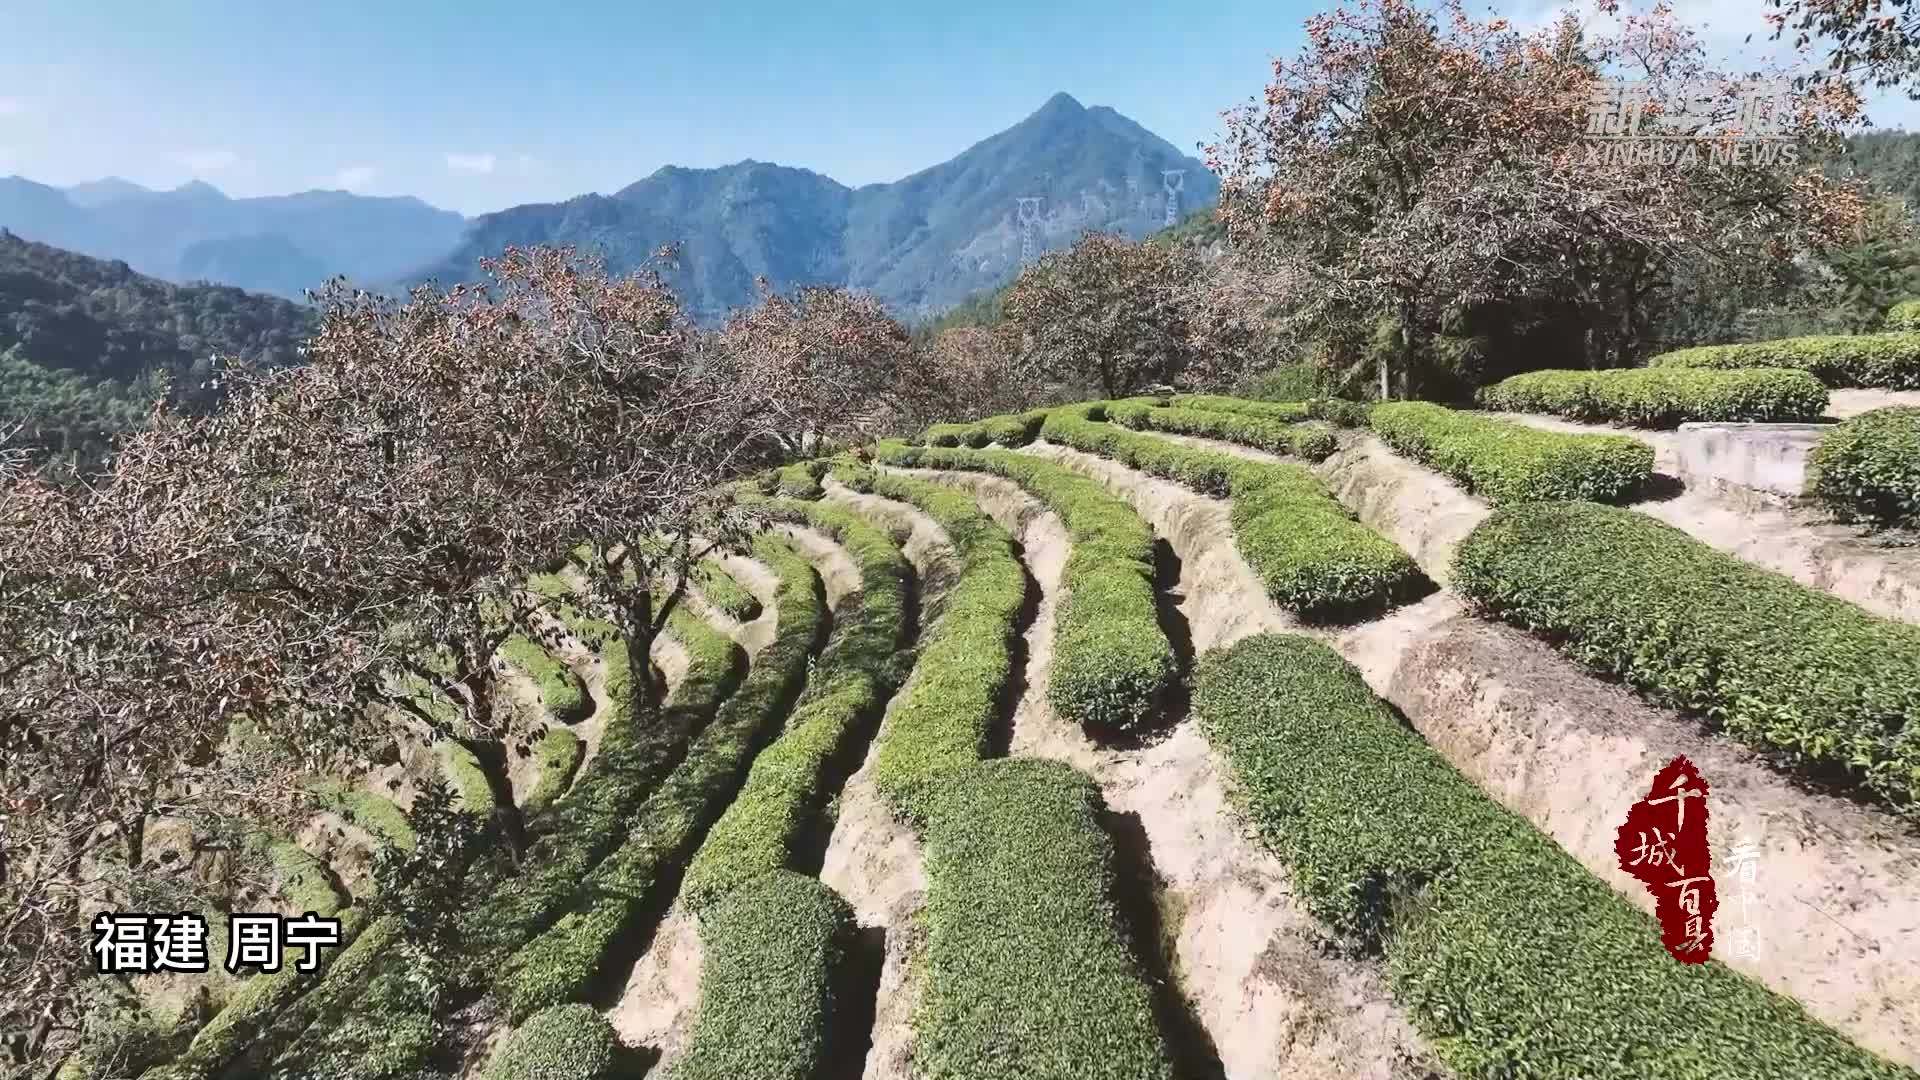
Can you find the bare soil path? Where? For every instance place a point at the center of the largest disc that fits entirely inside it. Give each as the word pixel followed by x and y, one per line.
pixel 1838 909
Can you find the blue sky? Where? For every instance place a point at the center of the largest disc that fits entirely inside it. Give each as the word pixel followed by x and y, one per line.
pixel 482 104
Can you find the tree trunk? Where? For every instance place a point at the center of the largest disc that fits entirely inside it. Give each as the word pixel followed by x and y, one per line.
pixel 492 755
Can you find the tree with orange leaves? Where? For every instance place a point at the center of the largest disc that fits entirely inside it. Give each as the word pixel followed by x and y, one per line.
pixel 1428 174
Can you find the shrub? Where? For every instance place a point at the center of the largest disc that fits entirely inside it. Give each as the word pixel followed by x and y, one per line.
pixel 1111 660
pixel 1027 973
pixel 1015 429
pixel 370 810
pixel 1868 468
pixel 468 778
pixel 1282 410
pixel 338 989
pixel 1339 411
pixel 1810 678
pixel 637 749
pixel 1889 360
pixel 850 682
pixel 561 691
pixel 727 596
pixel 1285 382
pixel 260 998
pixel 1312 557
pixel 800 480
pixel 1314 443
pixel 1400 853
pixel 389 1035
pixel 304 880
pixel 769 954
pixel 1663 397
pixel 557 755
pixel 939 723
pixel 558 965
pixel 1509 462
pixel 1904 315
pixel 1007 429
pixel 566 1042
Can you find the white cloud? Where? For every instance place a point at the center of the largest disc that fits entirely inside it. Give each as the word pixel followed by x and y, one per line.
pixel 354 177
pixel 480 164
pixel 206 161
pixel 489 163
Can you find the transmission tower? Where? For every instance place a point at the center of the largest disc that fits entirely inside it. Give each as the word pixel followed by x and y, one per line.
pixel 1029 210
pixel 1174 180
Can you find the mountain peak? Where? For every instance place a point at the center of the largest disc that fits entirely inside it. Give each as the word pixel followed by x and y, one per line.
pixel 1062 103
pixel 105 190
pixel 199 189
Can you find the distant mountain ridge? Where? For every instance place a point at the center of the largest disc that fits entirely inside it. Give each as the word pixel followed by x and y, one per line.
pixel 921 244
pixel 279 244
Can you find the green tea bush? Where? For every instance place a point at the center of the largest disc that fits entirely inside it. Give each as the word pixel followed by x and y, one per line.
pixel 1510 957
pixel 304 880
pixel 566 1042
pixel 1868 467
pixel 1111 660
pixel 1312 557
pixel 727 596
pixel 1509 462
pixel 389 1034
pixel 1890 361
pixel 561 691
pixel 1311 442
pixel 1904 315
pixel 1284 382
pixel 851 680
pixel 1809 678
pixel 374 812
pixel 947 435
pixel 1663 397
pixel 258 1001
pixel 638 746
pixel 939 723
pixel 1007 429
pixel 463 771
pixel 1028 975
pixel 800 480
pixel 339 989
pixel 558 965
pixel 1339 411
pixel 557 755
pixel 1016 429
pixel 769 955
pixel 1279 410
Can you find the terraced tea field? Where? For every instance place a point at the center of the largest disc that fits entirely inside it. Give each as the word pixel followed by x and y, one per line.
pixel 1188 737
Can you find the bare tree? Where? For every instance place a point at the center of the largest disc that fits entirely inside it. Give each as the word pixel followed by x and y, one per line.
pixel 846 366
pixel 136 639
pixel 967 372
pixel 1107 311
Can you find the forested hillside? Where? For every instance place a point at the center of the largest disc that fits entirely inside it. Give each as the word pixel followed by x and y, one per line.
pixel 87 345
pixel 1889 160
